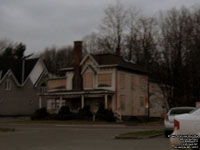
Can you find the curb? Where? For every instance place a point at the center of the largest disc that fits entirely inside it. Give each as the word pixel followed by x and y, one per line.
pixel 138 137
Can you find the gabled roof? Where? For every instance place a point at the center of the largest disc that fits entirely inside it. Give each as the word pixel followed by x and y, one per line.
pixel 111 59
pixel 15 65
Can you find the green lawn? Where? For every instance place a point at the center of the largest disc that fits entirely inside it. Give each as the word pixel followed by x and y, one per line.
pixel 142 133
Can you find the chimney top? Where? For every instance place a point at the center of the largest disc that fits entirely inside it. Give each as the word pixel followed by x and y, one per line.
pixel 77 42
pixel 117 52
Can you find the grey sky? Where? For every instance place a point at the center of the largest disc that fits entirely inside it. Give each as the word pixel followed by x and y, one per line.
pixel 43 23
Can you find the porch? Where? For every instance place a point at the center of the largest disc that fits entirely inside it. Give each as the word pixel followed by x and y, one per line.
pixel 76 100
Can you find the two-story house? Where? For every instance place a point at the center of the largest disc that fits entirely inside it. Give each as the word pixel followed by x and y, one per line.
pixel 20 82
pixel 101 78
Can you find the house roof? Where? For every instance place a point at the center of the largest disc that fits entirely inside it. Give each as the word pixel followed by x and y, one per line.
pixel 15 65
pixel 111 59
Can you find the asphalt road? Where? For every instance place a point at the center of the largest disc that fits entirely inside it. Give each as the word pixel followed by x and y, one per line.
pixel 75 137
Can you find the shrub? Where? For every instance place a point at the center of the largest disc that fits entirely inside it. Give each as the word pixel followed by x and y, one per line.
pixel 105 114
pixel 40 114
pixel 85 113
pixel 64 110
pixel 71 116
pixel 52 117
pixel 65 114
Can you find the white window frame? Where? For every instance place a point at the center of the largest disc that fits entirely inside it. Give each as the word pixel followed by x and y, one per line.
pixel 7 85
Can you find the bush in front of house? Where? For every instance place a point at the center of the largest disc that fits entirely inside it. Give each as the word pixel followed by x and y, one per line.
pixel 40 114
pixel 85 113
pixel 65 114
pixel 52 117
pixel 105 114
pixel 64 110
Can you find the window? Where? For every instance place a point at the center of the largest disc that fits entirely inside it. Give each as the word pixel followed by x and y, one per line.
pixel 143 83
pixel 122 102
pixel 88 79
pixel 142 100
pixel 43 89
pixel 105 80
pixel 133 82
pixel 122 80
pixel 7 85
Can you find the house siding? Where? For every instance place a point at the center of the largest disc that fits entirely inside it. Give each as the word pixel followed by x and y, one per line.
pixel 58 83
pixel 18 100
pixel 69 79
pixel 132 94
pixel 158 103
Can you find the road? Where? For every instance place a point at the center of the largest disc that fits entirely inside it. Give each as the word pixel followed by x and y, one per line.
pixel 76 137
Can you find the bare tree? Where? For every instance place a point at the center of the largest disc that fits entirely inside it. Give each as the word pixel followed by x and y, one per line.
pixel 177 26
pixel 5 43
pixel 131 36
pixel 113 26
pixel 57 58
pixel 141 41
pixel 91 43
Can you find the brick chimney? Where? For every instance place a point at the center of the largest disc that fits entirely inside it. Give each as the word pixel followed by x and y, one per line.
pixel 77 79
pixel 117 52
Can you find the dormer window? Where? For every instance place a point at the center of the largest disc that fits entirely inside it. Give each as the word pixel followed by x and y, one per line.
pixel 7 85
pixel 88 80
pixel 105 80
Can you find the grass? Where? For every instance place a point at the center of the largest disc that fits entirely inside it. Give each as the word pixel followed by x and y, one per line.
pixel 7 129
pixel 145 123
pixel 142 133
pixel 67 122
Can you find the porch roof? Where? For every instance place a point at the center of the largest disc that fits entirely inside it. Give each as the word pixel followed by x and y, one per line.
pixel 77 93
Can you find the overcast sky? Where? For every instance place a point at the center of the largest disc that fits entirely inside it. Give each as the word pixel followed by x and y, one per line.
pixel 44 23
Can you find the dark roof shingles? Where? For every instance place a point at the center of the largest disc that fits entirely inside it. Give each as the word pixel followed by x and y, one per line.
pixel 16 67
pixel 110 59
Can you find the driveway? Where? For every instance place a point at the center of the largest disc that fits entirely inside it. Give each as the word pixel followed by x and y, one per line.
pixel 76 137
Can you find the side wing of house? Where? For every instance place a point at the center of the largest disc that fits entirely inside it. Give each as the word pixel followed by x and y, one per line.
pixel 131 93
pixel 158 102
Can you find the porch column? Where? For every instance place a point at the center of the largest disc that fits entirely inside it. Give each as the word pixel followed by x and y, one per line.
pixel 106 101
pixel 61 101
pixel 40 102
pixel 82 101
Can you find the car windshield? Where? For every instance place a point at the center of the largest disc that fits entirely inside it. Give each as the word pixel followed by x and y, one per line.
pixel 181 111
pixel 195 110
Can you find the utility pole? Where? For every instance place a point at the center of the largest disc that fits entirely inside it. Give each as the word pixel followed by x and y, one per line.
pixel 148 101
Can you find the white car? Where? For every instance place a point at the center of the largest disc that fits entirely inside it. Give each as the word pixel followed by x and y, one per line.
pixel 187 126
pixel 169 118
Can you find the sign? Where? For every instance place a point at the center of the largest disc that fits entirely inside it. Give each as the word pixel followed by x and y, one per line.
pixel 197 104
